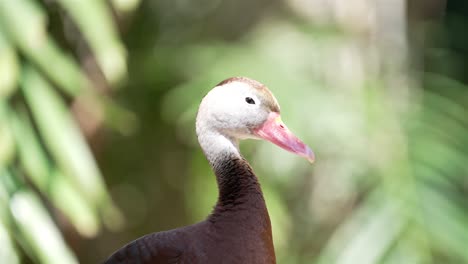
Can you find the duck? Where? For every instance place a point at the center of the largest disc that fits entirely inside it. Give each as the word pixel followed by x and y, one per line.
pixel 238 230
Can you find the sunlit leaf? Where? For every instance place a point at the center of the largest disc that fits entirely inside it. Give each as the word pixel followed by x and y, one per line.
pixel 125 5
pixel 411 248
pixel 7 147
pixel 95 21
pixel 446 222
pixel 65 142
pixel 36 231
pixel 61 134
pixel 25 24
pixel 8 252
pixel 367 235
pixel 56 186
pixel 37 227
pixel 8 67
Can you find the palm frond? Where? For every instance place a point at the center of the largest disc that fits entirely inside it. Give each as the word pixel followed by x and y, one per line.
pixel 43 153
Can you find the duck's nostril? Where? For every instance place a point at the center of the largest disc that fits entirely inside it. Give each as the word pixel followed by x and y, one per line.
pixel 282 126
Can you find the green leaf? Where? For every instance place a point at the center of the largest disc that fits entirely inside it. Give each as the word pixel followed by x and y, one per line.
pixel 65 142
pixel 446 221
pixel 95 22
pixel 36 226
pixel 62 137
pixel 58 188
pixel 125 6
pixel 367 235
pixel 7 147
pixel 25 23
pixel 8 253
pixel 8 67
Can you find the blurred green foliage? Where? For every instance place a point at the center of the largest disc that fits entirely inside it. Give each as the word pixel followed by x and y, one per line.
pixel 379 91
pixel 389 184
pixel 45 161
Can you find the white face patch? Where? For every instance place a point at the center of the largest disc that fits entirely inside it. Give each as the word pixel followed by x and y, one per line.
pixel 233 96
pixel 231 111
pixel 227 109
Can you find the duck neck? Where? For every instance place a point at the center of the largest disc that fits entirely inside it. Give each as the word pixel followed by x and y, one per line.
pixel 241 209
pixel 239 191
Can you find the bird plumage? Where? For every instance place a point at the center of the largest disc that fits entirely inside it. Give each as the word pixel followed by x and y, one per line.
pixel 238 230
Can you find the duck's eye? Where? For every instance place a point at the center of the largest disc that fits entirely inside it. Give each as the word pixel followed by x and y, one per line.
pixel 249 100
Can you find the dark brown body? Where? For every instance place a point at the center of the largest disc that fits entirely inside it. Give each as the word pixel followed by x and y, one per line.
pixel 238 230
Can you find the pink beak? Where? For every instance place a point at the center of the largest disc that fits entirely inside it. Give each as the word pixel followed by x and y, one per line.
pixel 275 131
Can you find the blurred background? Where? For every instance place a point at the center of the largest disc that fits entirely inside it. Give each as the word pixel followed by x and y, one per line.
pixel 97 108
